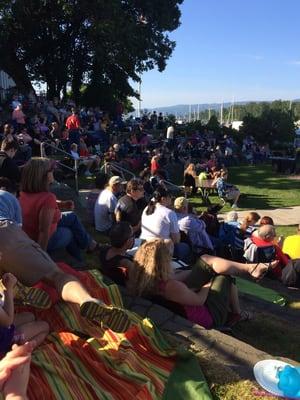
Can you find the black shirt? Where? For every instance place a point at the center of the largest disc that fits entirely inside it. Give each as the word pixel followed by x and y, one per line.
pixel 129 210
pixel 113 262
pixel 9 168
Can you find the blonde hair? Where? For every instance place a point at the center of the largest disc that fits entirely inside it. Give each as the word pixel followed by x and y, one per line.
pixel 251 216
pixel 152 264
pixel 34 175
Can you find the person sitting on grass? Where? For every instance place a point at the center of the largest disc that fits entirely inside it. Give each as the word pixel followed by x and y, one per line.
pixel 90 162
pixel 127 208
pixel 8 166
pixel 226 191
pixel 291 245
pixel 269 221
pixel 228 228
pixel 193 228
pixel 19 328
pixel 243 231
pixel 27 261
pixel 42 219
pixel 101 181
pixel 104 211
pixel 204 294
pixel 114 262
pixel 159 221
pixel 261 247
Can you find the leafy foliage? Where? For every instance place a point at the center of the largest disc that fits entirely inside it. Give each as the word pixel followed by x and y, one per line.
pixel 273 125
pixel 97 43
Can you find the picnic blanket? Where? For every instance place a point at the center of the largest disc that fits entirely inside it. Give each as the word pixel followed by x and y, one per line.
pixel 82 361
pixel 261 292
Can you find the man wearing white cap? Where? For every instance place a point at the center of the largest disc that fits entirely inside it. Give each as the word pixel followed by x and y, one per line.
pixel 106 204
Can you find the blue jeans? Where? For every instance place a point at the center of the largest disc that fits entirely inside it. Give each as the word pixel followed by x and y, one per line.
pixel 69 234
pixel 183 252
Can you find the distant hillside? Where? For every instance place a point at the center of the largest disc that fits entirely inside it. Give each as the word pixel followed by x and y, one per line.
pixel 183 109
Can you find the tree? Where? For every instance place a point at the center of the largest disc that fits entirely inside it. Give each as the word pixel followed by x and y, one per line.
pixel 97 43
pixel 272 125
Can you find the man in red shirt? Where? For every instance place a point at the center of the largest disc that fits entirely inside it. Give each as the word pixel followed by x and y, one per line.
pixel 264 238
pixel 73 126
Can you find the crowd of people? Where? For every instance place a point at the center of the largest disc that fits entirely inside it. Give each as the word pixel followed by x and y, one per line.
pixel 159 247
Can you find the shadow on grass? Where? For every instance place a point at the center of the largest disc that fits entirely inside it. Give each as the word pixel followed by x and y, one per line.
pixel 261 177
pixel 261 201
pixel 271 335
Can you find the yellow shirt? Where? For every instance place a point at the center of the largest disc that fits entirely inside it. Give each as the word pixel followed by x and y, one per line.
pixel 291 246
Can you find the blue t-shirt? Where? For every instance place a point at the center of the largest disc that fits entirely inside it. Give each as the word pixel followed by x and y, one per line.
pixel 10 208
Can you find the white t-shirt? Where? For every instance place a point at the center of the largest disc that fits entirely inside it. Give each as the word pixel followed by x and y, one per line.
pixel 104 209
pixel 170 132
pixel 160 224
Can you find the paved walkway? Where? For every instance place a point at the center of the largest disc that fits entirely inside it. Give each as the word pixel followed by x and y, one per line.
pixel 281 216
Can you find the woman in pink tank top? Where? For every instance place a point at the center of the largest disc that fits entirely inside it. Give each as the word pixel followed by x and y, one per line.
pixel 152 275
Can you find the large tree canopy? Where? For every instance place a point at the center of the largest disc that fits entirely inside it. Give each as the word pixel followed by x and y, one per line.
pixel 99 43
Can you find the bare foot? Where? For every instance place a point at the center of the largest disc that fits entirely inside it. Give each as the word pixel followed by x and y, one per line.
pixel 258 271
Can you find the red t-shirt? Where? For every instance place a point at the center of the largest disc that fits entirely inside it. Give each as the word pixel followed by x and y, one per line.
pixel 154 166
pixel 32 204
pixel 73 122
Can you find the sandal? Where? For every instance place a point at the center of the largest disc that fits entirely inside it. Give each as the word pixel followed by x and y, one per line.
pixel 31 296
pixel 260 276
pixel 269 266
pixel 246 315
pixel 114 318
pixel 234 318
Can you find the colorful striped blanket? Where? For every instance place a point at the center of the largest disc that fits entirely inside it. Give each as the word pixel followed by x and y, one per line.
pixel 82 361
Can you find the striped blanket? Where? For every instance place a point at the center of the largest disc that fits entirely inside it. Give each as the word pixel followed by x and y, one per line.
pixel 82 361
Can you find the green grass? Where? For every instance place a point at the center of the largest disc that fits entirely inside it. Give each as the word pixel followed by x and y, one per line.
pixel 261 188
pixel 270 334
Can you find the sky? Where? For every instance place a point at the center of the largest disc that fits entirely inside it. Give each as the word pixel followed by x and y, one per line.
pixel 230 49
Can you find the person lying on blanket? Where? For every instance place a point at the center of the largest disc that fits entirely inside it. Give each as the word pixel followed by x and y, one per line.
pixel 26 260
pixel 206 293
pixel 19 328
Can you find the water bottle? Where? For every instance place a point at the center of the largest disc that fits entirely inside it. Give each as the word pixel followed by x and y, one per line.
pixel 289 381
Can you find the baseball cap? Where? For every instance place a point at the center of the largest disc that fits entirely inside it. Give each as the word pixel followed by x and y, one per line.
pixel 180 202
pixel 115 180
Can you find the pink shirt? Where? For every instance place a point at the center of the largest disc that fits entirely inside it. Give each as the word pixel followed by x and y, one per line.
pixel 18 116
pixel 198 314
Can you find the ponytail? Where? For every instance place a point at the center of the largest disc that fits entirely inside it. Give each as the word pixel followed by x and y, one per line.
pixel 159 193
pixel 151 207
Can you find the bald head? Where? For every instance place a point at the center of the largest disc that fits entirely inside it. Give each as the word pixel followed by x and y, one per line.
pixel 267 232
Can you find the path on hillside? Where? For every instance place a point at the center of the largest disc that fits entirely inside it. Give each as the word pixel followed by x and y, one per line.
pixel 281 216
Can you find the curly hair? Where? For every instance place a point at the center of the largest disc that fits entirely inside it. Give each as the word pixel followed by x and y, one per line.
pixel 152 264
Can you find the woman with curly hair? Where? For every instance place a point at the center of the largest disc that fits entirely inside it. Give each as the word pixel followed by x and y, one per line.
pixel 206 293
